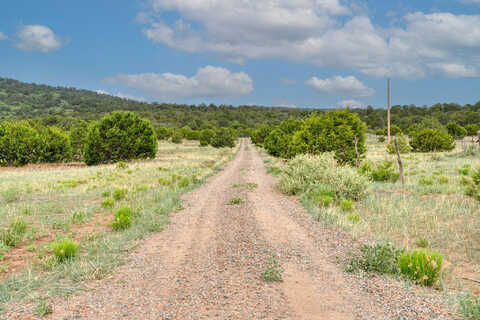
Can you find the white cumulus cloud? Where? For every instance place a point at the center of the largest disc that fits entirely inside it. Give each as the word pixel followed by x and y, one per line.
pixel 326 33
pixel 37 38
pixel 208 82
pixel 122 95
pixel 354 104
pixel 348 86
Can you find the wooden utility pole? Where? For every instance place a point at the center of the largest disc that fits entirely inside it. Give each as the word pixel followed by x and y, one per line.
pixel 388 110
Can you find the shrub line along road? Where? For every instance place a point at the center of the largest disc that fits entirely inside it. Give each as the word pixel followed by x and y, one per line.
pixel 207 263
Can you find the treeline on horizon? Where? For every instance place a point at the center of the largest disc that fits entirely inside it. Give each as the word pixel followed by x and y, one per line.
pixel 64 107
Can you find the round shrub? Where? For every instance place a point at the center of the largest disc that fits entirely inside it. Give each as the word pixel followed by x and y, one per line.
pixel 206 136
pixel 20 144
pixel 332 131
pixel 223 138
pixel 177 136
pixel 381 132
pixel 423 266
pixel 455 130
pixel 120 136
pixel 163 133
pixel 56 145
pixel 472 129
pixel 395 130
pixel 279 141
pixel 65 249
pixel 403 146
pixel 430 140
pixel 123 219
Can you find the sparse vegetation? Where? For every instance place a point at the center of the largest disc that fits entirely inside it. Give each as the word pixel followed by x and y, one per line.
pixel 379 257
pixel 123 219
pixel 423 266
pixel 273 272
pixel 235 201
pixel 65 249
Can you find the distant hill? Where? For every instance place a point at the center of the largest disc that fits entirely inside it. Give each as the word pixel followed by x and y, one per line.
pixel 59 105
pixel 19 100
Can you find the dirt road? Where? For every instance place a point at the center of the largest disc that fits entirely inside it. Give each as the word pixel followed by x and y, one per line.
pixel 207 263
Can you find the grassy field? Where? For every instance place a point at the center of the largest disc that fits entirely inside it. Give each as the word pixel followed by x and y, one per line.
pixel 429 210
pixel 77 202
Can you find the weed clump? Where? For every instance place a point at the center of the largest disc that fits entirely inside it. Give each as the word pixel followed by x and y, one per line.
pixel 380 257
pixel 422 266
pixel 273 272
pixel 354 218
pixel 123 219
pixel 65 249
pixel 119 194
pixel 381 172
pixel 235 201
pixel 14 233
pixel 108 203
pixel 346 205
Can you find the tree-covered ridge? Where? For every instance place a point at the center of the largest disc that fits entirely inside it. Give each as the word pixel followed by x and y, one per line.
pixel 20 100
pixel 62 106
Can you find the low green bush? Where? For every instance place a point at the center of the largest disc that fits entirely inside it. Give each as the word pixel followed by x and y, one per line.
pixel 306 172
pixel 65 249
pixel 380 257
pixel 119 194
pixel 183 182
pixel 381 172
pixel 14 233
pixel 423 266
pixel 403 146
pixel 122 219
pixel 346 205
pixel 108 203
pixel 354 217
pixel 430 140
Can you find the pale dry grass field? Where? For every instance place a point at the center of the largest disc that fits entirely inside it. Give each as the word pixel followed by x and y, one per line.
pixel 79 202
pixel 430 210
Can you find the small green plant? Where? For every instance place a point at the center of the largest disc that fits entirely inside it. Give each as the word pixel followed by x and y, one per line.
pixel 425 181
pixel 183 182
pixel 119 194
pixel 381 139
pixel 380 257
pixel 78 217
pixel 106 193
pixel 163 182
pixel 470 307
pixel 235 201
pixel 442 179
pixel 108 203
pixel 346 205
pixel 123 219
pixel 11 194
pixel 384 171
pixel 422 243
pixel 14 233
pixel 43 309
pixel 423 266
pixel 354 218
pixel 273 272
pixel 464 171
pixel 122 165
pixel 65 249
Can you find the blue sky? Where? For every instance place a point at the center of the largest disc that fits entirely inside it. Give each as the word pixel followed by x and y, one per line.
pixel 304 53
